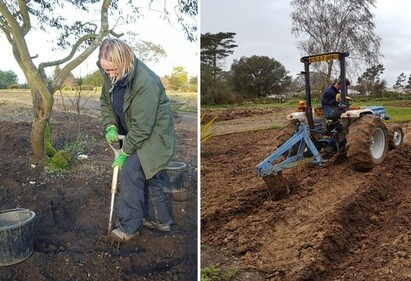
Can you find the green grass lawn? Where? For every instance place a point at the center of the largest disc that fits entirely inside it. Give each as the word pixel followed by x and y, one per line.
pixel 399 114
pixel 398 110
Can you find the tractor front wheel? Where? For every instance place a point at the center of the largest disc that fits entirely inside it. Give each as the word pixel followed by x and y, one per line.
pixel 367 142
pixel 395 136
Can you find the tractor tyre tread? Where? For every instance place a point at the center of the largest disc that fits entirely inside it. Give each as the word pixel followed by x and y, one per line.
pixel 359 141
pixel 286 132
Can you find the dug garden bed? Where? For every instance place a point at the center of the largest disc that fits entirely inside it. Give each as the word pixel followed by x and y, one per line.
pixel 72 207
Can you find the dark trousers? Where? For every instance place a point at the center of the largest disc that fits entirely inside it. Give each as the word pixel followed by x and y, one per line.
pixel 139 196
pixel 332 112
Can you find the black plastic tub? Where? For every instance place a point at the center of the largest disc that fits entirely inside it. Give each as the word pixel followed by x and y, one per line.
pixel 16 235
pixel 173 177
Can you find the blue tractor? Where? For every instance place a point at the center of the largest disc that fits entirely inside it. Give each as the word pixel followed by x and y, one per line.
pixel 360 133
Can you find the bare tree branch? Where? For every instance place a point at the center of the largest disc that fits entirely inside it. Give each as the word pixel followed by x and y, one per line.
pixel 329 25
pixel 26 17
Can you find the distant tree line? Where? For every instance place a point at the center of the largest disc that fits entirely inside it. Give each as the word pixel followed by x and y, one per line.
pixel 403 83
pixel 257 77
pixel 329 26
pixel 8 78
pixel 178 80
pixel 249 78
pixel 370 83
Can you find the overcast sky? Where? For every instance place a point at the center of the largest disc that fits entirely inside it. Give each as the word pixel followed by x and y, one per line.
pixel 263 28
pixel 151 28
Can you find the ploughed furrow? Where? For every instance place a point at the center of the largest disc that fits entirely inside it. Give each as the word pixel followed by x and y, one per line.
pixel 328 222
pixel 376 227
pixel 365 219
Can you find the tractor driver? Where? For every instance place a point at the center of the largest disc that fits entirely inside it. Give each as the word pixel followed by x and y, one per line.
pixel 329 101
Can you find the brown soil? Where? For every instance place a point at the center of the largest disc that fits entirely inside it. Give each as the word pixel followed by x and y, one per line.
pixel 243 120
pixel 72 208
pixel 318 223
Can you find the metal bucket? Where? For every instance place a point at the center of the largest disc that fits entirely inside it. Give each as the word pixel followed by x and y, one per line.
pixel 173 177
pixel 16 235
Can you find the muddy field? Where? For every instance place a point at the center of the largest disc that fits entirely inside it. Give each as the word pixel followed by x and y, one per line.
pixel 326 223
pixel 72 208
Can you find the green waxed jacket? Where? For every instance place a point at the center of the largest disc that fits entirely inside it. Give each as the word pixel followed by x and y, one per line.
pixel 148 117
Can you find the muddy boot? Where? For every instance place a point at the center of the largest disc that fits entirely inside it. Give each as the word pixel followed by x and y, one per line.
pixel 120 235
pixel 116 237
pixel 158 226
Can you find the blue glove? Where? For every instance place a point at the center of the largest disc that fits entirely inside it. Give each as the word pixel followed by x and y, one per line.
pixel 111 133
pixel 120 160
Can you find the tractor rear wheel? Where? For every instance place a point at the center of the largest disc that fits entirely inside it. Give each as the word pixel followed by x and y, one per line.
pixel 367 142
pixel 286 132
pixel 395 136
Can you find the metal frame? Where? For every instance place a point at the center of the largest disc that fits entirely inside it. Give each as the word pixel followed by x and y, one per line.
pixel 307 60
pixel 303 138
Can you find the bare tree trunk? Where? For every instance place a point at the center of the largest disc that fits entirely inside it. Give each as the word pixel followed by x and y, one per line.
pixel 42 106
pixel 329 71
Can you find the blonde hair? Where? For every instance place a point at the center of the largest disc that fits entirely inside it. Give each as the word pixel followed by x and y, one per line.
pixel 120 54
